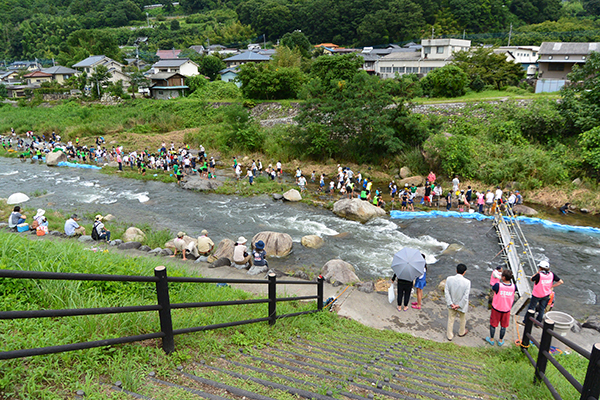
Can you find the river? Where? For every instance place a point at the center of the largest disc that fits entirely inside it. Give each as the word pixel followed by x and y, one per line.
pixel 575 257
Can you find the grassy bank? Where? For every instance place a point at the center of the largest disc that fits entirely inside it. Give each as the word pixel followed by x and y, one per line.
pixel 56 222
pixel 60 375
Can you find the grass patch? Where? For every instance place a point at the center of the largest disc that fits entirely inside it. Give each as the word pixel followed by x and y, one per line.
pixel 60 375
pixel 486 95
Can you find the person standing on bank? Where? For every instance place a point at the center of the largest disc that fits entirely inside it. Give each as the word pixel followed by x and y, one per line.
pixel 457 299
pixel 543 283
pixel 404 289
pixel 504 297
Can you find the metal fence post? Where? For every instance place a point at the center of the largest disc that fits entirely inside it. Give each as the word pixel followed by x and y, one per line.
pixel 272 298
pixel 320 293
pixel 591 385
pixel 527 330
pixel 166 324
pixel 542 361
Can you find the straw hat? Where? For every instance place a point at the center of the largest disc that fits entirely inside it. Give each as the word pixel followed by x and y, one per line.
pixel 99 217
pixel 180 234
pixel 241 240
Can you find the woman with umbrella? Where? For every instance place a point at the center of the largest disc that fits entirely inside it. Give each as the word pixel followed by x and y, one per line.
pixel 407 264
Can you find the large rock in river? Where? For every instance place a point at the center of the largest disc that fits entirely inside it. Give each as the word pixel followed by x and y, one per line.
pixel 520 209
pixel 357 210
pixel 276 244
pixel 197 183
pixel 292 195
pixel 224 250
pixel 133 234
pixel 339 271
pixel 312 241
pixel 52 159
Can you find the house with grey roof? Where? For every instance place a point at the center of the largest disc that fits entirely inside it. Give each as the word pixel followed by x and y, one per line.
pixel 59 73
pixel 556 60
pixel 115 68
pixel 246 57
pixel 229 75
pixel 432 54
pixel 167 85
pixel 183 66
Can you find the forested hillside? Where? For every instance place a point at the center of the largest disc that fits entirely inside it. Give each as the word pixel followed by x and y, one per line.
pixel 45 29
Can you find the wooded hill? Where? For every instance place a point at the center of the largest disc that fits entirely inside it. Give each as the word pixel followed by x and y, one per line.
pixel 45 29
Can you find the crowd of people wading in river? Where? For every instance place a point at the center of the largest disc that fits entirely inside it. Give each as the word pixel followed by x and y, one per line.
pixel 181 161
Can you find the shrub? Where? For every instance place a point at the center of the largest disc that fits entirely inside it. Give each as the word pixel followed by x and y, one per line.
pixel 448 81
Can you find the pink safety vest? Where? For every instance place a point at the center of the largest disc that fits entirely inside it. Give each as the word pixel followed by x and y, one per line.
pixel 544 285
pixel 503 300
pixel 493 279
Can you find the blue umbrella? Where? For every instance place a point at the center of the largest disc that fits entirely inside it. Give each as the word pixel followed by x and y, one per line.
pixel 408 264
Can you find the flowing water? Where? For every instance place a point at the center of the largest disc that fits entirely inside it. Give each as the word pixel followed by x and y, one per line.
pixel 575 257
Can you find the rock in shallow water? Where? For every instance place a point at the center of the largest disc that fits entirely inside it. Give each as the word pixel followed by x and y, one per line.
pixel 357 210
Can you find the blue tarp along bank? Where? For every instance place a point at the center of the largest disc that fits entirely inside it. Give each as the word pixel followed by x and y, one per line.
pixel 395 214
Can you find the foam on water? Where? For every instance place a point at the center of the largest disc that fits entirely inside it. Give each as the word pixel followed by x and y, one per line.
pixel 9 173
pixel 592 298
pixel 87 183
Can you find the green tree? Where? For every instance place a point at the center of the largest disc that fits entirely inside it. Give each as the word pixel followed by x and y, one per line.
pixel 266 81
pixel 448 81
pixel 484 65
pixel 175 25
pixel 98 78
pixel 581 99
pixel 195 82
pixel 338 68
pixel 138 80
pixel 363 119
pixel 210 66
pixel 590 144
pixel 402 20
pixel 3 91
pixel 297 40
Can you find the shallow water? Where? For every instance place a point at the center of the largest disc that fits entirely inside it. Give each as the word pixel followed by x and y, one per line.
pixel 369 247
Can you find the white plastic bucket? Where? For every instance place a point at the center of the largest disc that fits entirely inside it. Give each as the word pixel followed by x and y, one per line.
pixel 562 322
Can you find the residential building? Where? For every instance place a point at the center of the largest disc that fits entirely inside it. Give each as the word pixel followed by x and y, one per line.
pixel 20 91
pixel 527 56
pixel 167 85
pixel 28 65
pixel 115 68
pixel 9 76
pixel 183 66
pixel 434 53
pixel 198 49
pixel 229 75
pixel 246 57
pixel 167 54
pixel 37 77
pixel 59 73
pixel 556 61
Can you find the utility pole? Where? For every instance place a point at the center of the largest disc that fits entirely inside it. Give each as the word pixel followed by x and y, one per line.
pixel 464 34
pixel 137 58
pixel 510 34
pixel 432 32
pixel 264 41
pixel 148 19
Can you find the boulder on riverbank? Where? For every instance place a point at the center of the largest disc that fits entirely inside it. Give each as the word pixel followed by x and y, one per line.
pixel 171 243
pixel 592 322
pixel 357 210
pixel 405 172
pixel 224 250
pixel 339 271
pixel 292 195
pixel 52 159
pixel 197 183
pixel 312 241
pixel 416 180
pixel 520 209
pixel 133 234
pixel 276 244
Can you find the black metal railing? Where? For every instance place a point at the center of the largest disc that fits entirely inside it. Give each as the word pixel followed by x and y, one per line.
pixel 590 389
pixel 163 306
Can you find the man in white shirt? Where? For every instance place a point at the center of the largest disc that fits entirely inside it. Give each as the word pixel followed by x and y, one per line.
pixel 457 299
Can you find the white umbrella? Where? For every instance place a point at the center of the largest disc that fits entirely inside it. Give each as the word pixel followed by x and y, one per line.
pixel 408 264
pixel 17 198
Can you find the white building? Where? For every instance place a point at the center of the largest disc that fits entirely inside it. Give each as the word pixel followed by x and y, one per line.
pixel 434 53
pixel 183 66
pixel 527 56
